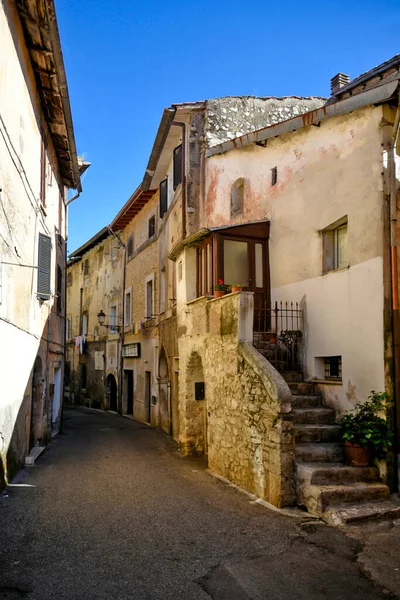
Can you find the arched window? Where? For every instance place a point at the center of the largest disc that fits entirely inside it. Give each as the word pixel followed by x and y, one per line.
pixel 237 196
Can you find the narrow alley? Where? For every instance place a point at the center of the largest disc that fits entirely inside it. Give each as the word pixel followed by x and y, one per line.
pixel 112 510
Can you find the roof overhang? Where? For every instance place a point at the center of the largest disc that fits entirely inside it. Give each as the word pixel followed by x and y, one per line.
pixel 131 208
pixel 42 39
pixel 196 238
pixel 373 96
pixel 96 239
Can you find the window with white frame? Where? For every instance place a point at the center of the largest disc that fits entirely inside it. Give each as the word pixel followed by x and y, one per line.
pixel 334 246
pixel 128 307
pixel 112 325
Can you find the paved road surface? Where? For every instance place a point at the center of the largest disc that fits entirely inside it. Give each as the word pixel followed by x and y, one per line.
pixel 112 511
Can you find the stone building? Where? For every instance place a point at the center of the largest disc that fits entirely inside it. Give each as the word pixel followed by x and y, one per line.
pixel 94 285
pixel 293 199
pixel 38 163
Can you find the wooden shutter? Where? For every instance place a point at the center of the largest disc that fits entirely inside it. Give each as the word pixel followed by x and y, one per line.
pixel 130 246
pixel 163 197
pixel 44 266
pixel 177 166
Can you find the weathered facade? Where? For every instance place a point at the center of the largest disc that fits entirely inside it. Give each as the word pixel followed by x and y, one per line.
pixel 293 199
pixel 38 163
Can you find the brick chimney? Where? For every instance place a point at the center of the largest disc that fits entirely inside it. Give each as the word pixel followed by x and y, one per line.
pixel 339 81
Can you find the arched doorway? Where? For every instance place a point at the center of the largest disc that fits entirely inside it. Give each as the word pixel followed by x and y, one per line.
pixel 36 427
pixel 164 393
pixel 111 393
pixel 196 406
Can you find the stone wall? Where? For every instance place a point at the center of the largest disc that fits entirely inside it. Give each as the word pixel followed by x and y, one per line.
pixel 244 421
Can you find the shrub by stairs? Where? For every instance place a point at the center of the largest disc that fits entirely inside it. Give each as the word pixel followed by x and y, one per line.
pixel 325 485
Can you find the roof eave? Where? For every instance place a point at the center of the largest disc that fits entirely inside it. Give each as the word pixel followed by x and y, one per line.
pixel 314 117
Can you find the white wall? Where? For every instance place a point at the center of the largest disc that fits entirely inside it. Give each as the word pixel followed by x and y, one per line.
pixel 22 316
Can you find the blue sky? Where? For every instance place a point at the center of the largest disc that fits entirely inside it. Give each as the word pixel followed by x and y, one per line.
pixel 126 61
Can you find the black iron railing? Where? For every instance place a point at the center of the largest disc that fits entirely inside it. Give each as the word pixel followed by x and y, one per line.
pixel 278 335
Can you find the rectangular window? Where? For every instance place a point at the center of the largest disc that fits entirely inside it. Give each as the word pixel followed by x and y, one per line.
pixel 84 324
pixel 43 175
pixel 236 262
pixel 333 367
pixel 205 269
pixel 149 299
pixel 59 286
pixel 162 290
pixel 128 308
pixel 177 166
pixel 274 175
pixel 68 327
pixel 129 246
pixel 152 226
pixel 44 267
pixel 334 246
pixel 163 198
pixel 86 268
pixel 112 325
pixel 69 278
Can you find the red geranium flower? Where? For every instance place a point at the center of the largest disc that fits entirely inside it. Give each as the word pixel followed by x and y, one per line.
pixel 220 281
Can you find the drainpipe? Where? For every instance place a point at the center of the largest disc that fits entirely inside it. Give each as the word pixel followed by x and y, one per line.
pixel 122 337
pixel 183 127
pixel 395 288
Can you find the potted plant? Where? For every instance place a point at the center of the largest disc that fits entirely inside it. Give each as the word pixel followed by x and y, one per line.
pixel 219 288
pixel 365 432
pixel 236 287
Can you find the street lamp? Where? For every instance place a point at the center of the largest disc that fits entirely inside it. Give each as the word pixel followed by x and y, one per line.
pixel 101 317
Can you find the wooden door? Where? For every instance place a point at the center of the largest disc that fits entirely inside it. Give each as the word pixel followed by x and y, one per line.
pixel 147 397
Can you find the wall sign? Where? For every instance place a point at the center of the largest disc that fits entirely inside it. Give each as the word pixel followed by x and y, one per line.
pixel 132 350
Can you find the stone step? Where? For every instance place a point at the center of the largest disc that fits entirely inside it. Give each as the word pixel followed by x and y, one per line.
pixel 292 377
pixel 305 401
pixel 319 452
pixel 385 510
pixel 301 387
pixel 306 433
pixel 333 473
pixel 310 416
pixel 33 455
pixel 317 498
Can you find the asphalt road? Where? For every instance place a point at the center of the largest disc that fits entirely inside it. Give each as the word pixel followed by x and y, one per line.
pixel 113 511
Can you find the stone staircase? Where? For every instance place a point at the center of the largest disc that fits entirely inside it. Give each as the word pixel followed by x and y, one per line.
pixel 325 485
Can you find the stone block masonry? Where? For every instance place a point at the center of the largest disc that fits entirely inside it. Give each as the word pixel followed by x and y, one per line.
pixel 244 421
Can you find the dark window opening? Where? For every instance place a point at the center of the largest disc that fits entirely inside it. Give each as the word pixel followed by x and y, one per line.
pixel 177 166
pixel 237 196
pixel 274 175
pixel 86 268
pixel 59 289
pixel 44 266
pixel 199 390
pixel 83 377
pixel 129 246
pixel 152 226
pixel 333 367
pixel 69 278
pixel 163 197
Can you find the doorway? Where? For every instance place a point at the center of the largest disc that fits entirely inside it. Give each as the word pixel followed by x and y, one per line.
pixel 164 392
pixel 57 395
pixel 111 393
pixel 128 383
pixel 35 434
pixel 147 397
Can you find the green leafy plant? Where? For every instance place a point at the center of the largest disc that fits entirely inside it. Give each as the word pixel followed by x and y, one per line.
pixel 364 425
pixel 237 285
pixel 220 286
